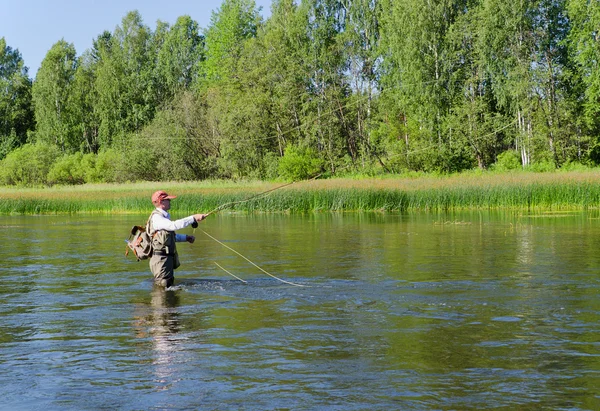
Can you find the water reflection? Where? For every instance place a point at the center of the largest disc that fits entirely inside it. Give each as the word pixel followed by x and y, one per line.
pixel 160 323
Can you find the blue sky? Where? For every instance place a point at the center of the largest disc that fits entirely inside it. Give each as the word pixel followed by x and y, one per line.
pixel 33 26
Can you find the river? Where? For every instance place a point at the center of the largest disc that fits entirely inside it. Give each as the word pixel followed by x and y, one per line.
pixel 455 311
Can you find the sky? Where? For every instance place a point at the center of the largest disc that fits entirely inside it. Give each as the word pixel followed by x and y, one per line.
pixel 34 26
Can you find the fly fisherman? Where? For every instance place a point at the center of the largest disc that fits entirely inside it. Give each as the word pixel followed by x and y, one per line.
pixel 162 231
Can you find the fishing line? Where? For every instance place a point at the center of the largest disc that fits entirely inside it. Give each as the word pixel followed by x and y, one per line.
pixel 264 271
pixel 233 275
pixel 259 195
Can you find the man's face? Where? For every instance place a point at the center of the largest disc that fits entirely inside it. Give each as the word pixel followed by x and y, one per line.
pixel 165 204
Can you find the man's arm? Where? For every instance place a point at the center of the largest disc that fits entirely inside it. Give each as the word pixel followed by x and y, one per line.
pixel 160 222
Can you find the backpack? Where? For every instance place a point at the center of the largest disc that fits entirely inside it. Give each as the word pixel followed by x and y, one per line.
pixel 140 243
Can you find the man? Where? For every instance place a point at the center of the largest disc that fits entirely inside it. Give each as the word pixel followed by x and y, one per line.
pixel 162 231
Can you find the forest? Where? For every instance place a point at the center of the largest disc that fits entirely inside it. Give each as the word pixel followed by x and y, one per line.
pixel 335 87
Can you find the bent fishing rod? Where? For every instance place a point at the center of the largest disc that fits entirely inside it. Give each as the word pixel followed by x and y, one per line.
pixel 260 195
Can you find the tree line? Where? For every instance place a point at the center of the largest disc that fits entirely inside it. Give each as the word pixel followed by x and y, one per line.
pixel 339 86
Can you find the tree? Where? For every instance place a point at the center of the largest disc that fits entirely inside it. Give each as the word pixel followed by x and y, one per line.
pixel 417 74
pixel 282 48
pixel 233 23
pixel 16 112
pixel 551 73
pixel 176 145
pixel 327 130
pixel 126 90
pixel 83 104
pixel 584 37
pixel 361 39
pixel 231 112
pixel 178 58
pixel 51 90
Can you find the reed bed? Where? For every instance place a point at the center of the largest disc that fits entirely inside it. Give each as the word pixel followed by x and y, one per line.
pixel 532 191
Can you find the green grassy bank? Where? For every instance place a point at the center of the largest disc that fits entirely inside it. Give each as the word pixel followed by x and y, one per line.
pixel 576 190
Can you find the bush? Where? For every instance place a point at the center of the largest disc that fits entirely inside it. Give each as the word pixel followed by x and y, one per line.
pixel 509 160
pixel 88 167
pixel 542 166
pixel 67 170
pixel 28 164
pixel 299 163
pixel 271 162
pixel 110 167
pixel 8 143
pixel 574 166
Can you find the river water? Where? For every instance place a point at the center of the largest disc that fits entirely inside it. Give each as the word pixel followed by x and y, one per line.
pixel 460 311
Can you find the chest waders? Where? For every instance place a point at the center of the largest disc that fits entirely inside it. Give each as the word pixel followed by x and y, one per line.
pixel 164 254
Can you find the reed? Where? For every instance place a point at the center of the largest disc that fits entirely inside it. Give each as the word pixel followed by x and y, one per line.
pixel 548 191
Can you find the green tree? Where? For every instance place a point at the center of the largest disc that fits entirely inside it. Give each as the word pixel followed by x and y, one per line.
pixel 361 39
pixel 417 74
pixel 178 58
pixel 475 131
pixel 176 145
pixel 51 92
pixel 16 112
pixel 326 63
pixel 83 104
pixel 124 82
pixel 507 49
pixel 231 110
pixel 551 73
pixel 584 38
pixel 281 50
pixel 234 22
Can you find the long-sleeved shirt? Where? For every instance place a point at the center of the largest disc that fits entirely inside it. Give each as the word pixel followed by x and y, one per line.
pixel 162 221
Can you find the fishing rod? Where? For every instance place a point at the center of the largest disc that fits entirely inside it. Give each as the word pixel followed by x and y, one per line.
pixel 260 195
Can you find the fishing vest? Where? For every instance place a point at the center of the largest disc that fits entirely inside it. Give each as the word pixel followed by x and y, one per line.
pixel 163 241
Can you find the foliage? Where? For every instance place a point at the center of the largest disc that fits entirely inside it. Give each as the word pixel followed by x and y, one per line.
pixel 234 22
pixel 509 160
pixel 585 52
pixel 28 165
pixel 67 170
pixel 16 112
pixel 110 167
pixel 299 164
pixel 179 56
pixel 51 93
pixel 361 87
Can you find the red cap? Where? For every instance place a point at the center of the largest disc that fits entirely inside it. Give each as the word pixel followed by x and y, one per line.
pixel 160 196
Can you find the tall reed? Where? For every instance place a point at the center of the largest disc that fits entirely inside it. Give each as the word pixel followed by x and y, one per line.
pixel 549 191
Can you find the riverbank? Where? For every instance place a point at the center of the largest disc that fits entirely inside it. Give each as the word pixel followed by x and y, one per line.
pixel 574 190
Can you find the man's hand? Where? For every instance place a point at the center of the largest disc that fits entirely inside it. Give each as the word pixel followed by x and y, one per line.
pixel 200 217
pixel 190 239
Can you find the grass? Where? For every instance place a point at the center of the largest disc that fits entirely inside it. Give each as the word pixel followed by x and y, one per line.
pixel 574 190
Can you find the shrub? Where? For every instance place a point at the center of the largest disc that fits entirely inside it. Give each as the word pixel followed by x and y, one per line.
pixel 542 166
pixel 509 160
pixel 299 163
pixel 67 170
pixel 271 162
pixel 28 164
pixel 110 167
pixel 88 167
pixel 574 166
